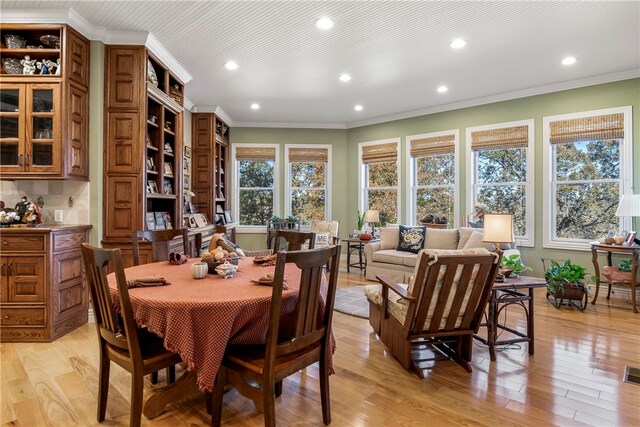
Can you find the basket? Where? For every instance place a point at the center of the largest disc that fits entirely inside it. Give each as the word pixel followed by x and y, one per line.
pixel 14 42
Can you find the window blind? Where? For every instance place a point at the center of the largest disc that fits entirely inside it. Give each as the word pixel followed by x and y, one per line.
pixel 379 153
pixel 255 153
pixel 434 146
pixel 608 126
pixel 308 154
pixel 500 139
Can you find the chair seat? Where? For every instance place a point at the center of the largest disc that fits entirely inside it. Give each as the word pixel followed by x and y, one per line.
pixel 152 350
pixel 252 357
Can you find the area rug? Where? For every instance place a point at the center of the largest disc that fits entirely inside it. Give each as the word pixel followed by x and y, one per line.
pixel 352 301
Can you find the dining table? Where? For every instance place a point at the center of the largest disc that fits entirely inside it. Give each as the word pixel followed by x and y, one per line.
pixel 198 318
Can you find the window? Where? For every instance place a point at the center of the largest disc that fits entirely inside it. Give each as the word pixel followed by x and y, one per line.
pixel 501 173
pixel 379 178
pixel 308 182
pixel 432 173
pixel 587 159
pixel 255 174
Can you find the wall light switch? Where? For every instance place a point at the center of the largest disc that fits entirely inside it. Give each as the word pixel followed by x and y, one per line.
pixel 58 217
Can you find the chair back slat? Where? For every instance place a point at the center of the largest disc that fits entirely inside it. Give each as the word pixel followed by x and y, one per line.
pixel 291 240
pixel 159 240
pixel 119 331
pixel 451 294
pixel 310 326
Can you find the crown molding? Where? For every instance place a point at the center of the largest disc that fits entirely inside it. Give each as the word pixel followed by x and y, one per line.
pixel 291 125
pixel 84 27
pixel 217 110
pixel 188 104
pixel 507 96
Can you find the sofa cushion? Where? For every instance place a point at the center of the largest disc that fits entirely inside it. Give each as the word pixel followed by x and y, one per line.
pixel 441 239
pixel 465 233
pixel 475 241
pixel 388 237
pixel 392 256
pixel 411 239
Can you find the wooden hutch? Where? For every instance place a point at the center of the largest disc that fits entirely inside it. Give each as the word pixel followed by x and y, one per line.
pixel 142 147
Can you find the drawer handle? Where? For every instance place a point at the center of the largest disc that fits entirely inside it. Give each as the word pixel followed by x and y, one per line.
pixel 4 242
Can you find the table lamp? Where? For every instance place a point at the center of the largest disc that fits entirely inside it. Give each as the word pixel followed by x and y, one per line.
pixel 372 216
pixel 629 206
pixel 498 228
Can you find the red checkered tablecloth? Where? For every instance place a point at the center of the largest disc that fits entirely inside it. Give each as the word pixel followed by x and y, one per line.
pixel 198 318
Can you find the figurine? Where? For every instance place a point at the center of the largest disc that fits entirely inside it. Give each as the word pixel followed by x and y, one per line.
pixel 46 66
pixel 21 206
pixel 28 65
pixel 478 213
pixel 58 67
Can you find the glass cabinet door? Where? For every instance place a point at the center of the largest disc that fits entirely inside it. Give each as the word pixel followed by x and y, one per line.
pixel 12 108
pixel 43 137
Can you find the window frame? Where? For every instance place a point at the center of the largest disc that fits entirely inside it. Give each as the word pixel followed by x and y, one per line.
pixel 471 164
pixel 362 174
pixel 235 187
pixel 411 175
pixel 549 185
pixel 287 178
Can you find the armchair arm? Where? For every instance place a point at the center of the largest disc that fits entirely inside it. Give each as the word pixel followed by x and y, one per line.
pixel 388 282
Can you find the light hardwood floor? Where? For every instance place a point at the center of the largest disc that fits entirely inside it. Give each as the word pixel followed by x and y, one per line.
pixel 575 378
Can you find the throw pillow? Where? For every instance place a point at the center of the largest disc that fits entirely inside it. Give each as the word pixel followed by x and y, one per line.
pixel 475 241
pixel 411 239
pixel 322 240
pixel 388 237
pixel 465 233
pixel 441 239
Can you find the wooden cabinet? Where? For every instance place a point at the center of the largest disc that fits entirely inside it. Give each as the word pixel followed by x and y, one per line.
pixel 43 293
pixel 210 164
pixel 143 146
pixel 44 117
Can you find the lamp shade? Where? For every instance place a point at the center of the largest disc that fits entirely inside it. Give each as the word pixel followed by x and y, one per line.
pixel 629 205
pixel 498 228
pixel 372 215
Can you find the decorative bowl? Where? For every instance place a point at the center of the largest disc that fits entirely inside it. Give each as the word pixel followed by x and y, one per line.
pixel 14 42
pixel 12 66
pixel 226 270
pixel 51 41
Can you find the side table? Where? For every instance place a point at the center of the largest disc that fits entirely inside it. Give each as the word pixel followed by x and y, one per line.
pixel 357 245
pixel 634 251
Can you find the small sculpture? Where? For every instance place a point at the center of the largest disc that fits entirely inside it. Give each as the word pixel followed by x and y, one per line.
pixel 46 66
pixel 58 67
pixel 28 65
pixel 22 205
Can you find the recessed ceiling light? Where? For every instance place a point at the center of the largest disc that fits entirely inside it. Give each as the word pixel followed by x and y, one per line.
pixel 458 43
pixel 345 77
pixel 255 106
pixel 442 89
pixel 231 65
pixel 358 107
pixel 569 60
pixel 324 23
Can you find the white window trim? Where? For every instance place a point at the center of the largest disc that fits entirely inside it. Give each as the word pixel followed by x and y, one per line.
pixel 411 172
pixel 626 166
pixel 527 240
pixel 287 178
pixel 235 187
pixel 362 176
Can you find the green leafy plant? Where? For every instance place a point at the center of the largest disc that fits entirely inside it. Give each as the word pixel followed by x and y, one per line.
pixel 558 275
pixel 361 221
pixel 514 263
pixel 292 218
pixel 626 265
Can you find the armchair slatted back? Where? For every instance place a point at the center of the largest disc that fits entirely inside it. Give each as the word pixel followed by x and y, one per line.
pixel 159 240
pixel 291 240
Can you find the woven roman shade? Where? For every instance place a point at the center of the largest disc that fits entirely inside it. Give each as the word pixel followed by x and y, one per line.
pixel 500 139
pixel 308 154
pixel 255 153
pixel 379 153
pixel 437 145
pixel 608 126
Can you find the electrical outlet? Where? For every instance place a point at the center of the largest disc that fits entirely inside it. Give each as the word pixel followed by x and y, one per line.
pixel 58 215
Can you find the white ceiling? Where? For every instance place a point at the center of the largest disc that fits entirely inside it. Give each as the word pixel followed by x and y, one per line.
pixel 396 52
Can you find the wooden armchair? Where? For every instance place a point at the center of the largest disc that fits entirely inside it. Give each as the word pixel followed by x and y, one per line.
pixel 291 240
pixel 159 240
pixel 257 371
pixel 443 307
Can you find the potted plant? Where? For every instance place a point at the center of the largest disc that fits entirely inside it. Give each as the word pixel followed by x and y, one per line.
pixel 619 274
pixel 361 220
pixel 564 281
pixel 513 265
pixel 275 221
pixel 291 220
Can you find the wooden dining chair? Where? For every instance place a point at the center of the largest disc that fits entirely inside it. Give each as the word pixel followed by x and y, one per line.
pixel 257 371
pixel 291 240
pixel 120 339
pixel 443 308
pixel 159 240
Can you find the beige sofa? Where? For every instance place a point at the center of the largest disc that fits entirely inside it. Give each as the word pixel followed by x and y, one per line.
pixel 383 258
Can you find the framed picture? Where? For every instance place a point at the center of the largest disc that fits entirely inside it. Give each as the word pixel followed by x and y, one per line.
pixel 167 221
pixel 187 151
pixel 631 236
pixel 149 143
pixel 152 188
pixel 228 217
pixel 150 165
pixel 219 219
pixel 167 188
pixel 168 169
pixel 151 225
pixel 194 208
pixel 159 220
pixel 185 182
pixel 185 222
pixel 167 148
pixel 219 209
